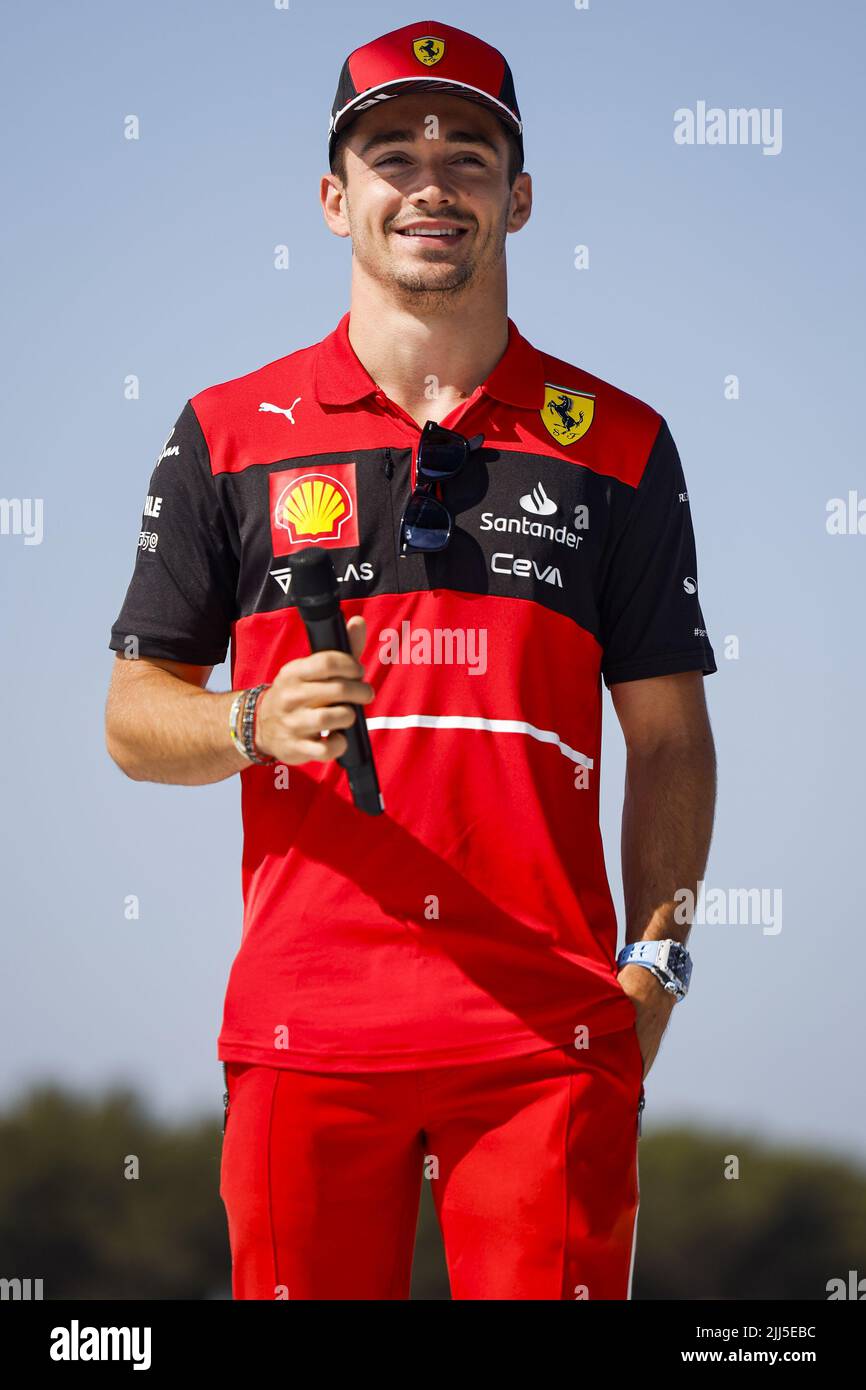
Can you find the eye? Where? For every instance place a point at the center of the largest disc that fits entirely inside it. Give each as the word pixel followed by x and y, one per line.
pixel 399 158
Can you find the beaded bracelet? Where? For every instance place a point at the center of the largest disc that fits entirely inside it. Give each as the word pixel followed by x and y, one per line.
pixel 248 725
pixel 242 724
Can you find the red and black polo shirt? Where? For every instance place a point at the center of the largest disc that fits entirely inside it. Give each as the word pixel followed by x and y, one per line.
pixel 473 920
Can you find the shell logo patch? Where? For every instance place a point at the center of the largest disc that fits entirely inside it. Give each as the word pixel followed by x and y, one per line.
pixel 567 415
pixel 428 50
pixel 313 507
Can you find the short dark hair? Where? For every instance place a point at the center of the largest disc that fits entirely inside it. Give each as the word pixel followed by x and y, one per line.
pixel 515 156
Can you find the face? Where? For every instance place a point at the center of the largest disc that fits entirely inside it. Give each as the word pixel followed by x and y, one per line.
pixel 427 201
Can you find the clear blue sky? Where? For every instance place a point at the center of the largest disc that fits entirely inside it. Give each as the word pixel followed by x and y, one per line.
pixel 155 258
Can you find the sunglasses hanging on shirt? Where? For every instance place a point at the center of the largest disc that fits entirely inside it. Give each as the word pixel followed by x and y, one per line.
pixel 426 523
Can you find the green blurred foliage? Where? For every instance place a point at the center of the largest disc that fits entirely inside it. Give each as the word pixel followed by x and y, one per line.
pixel 68 1215
pixel 790 1222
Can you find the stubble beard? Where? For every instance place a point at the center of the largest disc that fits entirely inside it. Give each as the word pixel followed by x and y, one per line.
pixel 419 286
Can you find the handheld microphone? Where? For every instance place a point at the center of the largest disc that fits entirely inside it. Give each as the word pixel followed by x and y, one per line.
pixel 314 590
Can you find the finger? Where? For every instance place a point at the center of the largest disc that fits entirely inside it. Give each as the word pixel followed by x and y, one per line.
pixel 336 692
pixel 318 666
pixel 324 749
pixel 357 630
pixel 327 718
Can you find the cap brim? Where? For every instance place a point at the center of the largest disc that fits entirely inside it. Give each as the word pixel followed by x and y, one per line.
pixel 350 111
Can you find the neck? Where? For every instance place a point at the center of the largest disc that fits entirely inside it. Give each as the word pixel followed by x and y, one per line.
pixel 427 361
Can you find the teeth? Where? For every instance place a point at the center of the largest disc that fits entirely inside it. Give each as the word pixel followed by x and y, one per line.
pixel 411 232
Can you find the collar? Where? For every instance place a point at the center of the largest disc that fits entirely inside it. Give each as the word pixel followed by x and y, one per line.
pixel 341 378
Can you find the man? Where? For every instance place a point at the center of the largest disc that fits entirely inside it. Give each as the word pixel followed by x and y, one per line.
pixel 432 991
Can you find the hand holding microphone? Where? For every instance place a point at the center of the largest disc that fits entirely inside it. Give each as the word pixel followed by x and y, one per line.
pixel 312 699
pixel 313 696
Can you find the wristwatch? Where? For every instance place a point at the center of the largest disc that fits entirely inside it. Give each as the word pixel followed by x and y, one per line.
pixel 668 960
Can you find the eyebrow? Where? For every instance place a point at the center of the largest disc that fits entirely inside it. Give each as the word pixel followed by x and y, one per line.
pixel 406 137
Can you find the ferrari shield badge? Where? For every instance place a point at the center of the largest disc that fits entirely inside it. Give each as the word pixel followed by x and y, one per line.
pixel 567 415
pixel 428 50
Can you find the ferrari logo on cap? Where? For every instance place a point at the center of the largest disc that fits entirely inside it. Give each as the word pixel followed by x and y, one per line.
pixel 428 50
pixel 567 415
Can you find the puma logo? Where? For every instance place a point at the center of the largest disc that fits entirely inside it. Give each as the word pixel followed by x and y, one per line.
pixel 280 410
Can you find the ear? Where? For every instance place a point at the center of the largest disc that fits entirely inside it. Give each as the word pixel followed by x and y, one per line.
pixel 520 205
pixel 333 199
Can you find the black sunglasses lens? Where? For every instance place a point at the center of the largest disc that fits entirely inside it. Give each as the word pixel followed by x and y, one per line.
pixel 441 453
pixel 426 523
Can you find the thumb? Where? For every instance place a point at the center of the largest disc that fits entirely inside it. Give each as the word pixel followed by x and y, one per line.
pixel 356 627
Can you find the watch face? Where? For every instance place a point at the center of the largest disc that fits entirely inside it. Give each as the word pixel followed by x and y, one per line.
pixel 683 972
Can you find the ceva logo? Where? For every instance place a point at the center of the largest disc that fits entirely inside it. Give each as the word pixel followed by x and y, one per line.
pixel 525 569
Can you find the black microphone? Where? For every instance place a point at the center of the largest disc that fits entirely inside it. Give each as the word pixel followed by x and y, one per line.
pixel 314 590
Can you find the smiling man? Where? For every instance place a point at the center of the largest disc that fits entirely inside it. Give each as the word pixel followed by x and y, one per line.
pixel 420 248
pixel 434 992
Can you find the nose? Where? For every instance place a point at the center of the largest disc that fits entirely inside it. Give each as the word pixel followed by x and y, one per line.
pixel 431 199
pixel 433 188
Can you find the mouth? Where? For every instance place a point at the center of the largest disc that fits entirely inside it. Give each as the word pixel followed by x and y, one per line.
pixel 427 234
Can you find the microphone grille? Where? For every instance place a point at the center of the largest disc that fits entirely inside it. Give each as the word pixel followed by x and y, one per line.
pixel 313 573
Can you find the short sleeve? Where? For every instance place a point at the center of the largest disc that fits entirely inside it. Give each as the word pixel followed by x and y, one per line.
pixel 651 622
pixel 181 598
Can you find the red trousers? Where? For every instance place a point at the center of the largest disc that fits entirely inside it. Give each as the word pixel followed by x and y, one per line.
pixel 532 1160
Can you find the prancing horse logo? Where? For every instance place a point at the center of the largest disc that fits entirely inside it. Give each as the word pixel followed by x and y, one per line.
pixel 567 415
pixel 428 50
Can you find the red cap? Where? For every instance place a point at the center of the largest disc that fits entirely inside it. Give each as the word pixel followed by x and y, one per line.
pixel 425 56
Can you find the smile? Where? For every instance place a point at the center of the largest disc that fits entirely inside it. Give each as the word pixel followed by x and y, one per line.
pixel 451 233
